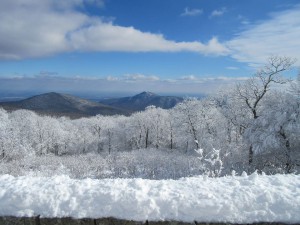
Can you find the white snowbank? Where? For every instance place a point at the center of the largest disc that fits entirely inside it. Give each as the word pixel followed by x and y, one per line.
pixel 243 199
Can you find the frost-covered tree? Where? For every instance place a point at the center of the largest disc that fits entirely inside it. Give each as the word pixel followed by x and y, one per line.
pixel 97 124
pixel 69 140
pixel 200 124
pixel 159 127
pixel 5 133
pixel 139 127
pixel 110 127
pixel 187 118
pixel 253 91
pixel 277 129
pixel 150 128
pixel 55 135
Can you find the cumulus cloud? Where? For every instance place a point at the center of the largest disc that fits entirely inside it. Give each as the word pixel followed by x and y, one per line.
pixel 41 28
pixel 191 12
pixel 31 29
pixel 100 36
pixel 278 35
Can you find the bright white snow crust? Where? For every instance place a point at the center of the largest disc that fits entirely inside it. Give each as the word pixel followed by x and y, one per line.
pixel 236 199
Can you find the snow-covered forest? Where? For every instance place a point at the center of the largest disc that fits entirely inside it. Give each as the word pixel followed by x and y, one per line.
pixel 255 125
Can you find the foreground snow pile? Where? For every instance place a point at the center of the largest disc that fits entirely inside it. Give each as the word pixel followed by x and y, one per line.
pixel 243 199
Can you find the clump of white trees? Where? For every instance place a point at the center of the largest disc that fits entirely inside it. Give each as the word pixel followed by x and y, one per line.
pixel 253 126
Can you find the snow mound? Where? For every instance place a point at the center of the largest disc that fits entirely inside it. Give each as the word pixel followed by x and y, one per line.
pixel 245 199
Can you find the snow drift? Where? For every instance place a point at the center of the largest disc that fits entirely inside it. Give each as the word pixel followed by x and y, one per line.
pixel 244 199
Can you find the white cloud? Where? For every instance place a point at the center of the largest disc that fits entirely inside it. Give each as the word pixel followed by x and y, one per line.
pixel 232 68
pixel 41 28
pixel 139 77
pixel 131 78
pixel 191 12
pixel 46 74
pixel 31 29
pixel 278 35
pixel 218 12
pixel 189 77
pixel 128 83
pixel 99 3
pixel 201 79
pixel 99 36
pixel 243 20
pixel 112 78
pixel 234 79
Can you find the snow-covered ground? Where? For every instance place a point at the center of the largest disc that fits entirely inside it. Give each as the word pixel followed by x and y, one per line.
pixel 239 199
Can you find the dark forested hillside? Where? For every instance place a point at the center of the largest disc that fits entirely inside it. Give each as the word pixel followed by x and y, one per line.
pixel 63 104
pixel 141 101
pixel 58 104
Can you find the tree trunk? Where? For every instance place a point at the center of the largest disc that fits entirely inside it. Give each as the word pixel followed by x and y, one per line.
pixel 56 150
pixel 109 141
pixel 195 137
pixel 171 144
pixel 288 164
pixel 194 133
pixel 146 138
pixel 187 147
pixel 250 156
pixel 3 151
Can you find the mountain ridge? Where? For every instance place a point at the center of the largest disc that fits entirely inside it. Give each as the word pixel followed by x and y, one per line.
pixel 140 101
pixel 53 103
pixel 59 104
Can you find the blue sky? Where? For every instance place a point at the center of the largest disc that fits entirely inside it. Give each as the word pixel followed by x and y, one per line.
pixel 164 46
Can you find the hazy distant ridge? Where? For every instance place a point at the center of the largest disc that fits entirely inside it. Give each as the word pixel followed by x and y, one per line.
pixel 142 100
pixel 67 105
pixel 62 104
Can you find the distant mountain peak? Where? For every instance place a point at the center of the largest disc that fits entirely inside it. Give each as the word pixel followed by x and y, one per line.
pixel 48 94
pixel 63 104
pixel 146 94
pixel 140 101
pixel 51 93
